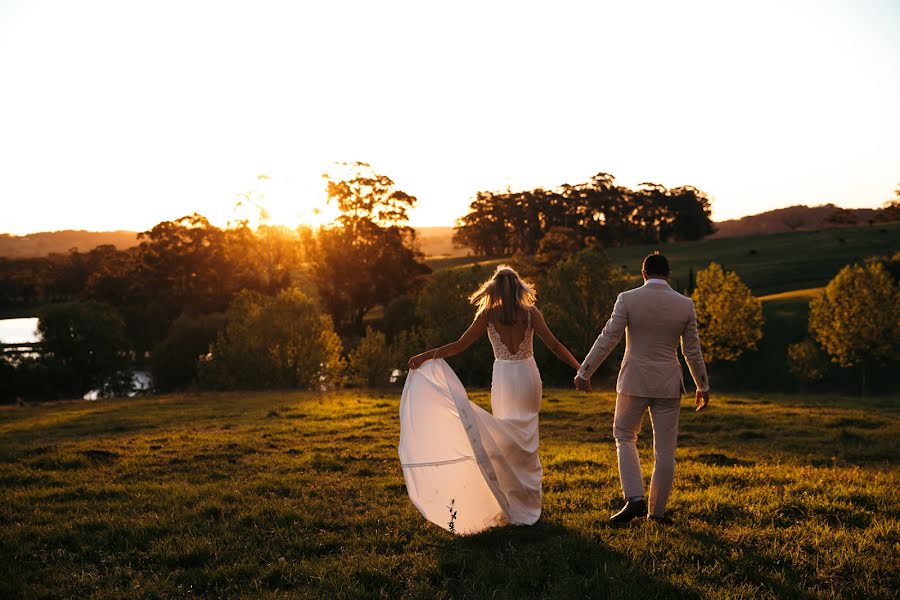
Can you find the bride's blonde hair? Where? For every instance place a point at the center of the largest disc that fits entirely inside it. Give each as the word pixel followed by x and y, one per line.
pixel 504 293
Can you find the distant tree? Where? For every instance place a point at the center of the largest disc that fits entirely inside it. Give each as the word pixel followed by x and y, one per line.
pixel 367 257
pixel 690 214
pixel 506 223
pixel 841 217
pixel 372 362
pixel 484 228
pixel 857 317
pixel 557 245
pixel 280 342
pixel 806 361
pixel 729 317
pixel 89 349
pixel 399 315
pixel 182 260
pixel 890 211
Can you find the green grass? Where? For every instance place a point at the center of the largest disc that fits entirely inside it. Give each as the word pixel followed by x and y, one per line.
pixel 773 263
pixel 768 264
pixel 271 495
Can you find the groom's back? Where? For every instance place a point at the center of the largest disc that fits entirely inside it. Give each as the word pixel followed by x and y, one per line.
pixel 657 315
pixel 656 320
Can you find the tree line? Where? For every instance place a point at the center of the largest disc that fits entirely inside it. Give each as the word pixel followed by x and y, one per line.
pixel 242 308
pixel 596 212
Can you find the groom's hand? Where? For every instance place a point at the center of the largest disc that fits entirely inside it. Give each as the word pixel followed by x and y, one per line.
pixel 702 400
pixel 582 384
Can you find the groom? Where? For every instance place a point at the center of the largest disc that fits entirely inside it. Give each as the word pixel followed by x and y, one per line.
pixel 653 318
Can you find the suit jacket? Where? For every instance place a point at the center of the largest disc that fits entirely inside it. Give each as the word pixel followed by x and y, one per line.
pixel 653 318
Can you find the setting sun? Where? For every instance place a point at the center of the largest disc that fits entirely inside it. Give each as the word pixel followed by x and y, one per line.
pixel 280 200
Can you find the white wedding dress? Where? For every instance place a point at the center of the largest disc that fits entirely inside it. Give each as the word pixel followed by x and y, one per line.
pixel 466 469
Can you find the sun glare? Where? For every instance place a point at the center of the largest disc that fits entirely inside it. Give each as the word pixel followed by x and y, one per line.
pixel 284 200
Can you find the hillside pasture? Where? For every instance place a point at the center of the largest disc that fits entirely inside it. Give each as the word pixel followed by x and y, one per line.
pixel 768 264
pixel 300 495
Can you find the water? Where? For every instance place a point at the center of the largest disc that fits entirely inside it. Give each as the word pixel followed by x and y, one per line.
pixel 24 331
pixel 19 331
pixel 140 384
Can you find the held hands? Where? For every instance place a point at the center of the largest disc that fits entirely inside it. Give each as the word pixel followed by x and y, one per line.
pixel 702 400
pixel 582 384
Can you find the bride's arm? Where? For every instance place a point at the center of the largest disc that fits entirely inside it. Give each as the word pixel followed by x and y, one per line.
pixel 555 346
pixel 465 340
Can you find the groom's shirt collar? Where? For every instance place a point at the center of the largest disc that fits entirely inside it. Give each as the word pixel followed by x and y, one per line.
pixel 656 280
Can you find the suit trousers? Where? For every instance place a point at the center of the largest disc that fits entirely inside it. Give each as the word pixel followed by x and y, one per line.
pixel 626 426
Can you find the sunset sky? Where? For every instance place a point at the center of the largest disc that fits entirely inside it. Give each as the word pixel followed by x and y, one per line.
pixel 120 114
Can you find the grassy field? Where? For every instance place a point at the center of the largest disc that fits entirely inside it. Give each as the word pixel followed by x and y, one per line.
pixel 272 495
pixel 768 264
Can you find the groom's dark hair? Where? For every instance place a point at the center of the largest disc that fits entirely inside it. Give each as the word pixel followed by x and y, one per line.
pixel 656 264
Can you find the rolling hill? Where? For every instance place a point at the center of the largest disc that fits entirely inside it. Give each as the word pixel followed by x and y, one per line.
pixel 791 218
pixel 49 242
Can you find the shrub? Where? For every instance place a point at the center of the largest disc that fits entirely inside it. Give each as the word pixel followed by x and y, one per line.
pixel 280 342
pixel 806 361
pixel 174 360
pixel 372 361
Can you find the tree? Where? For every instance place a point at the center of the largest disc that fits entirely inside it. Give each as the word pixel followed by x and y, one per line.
pixel 729 317
pixel 505 223
pixel 280 342
pixel 690 214
pixel 87 341
pixel 577 296
pixel 857 318
pixel 366 258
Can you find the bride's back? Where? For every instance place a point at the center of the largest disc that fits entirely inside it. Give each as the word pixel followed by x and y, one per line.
pixel 513 329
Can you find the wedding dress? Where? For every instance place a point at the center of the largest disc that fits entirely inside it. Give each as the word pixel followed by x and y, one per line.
pixel 466 469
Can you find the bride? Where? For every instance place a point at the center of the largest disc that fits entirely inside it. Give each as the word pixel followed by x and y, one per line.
pixel 467 469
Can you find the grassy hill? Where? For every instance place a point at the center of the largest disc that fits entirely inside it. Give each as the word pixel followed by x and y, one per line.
pixel 298 495
pixel 769 264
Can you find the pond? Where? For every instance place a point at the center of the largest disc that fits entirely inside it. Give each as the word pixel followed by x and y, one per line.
pixel 24 331
pixel 19 331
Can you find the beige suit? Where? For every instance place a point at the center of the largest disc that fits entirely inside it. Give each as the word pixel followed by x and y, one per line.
pixel 654 318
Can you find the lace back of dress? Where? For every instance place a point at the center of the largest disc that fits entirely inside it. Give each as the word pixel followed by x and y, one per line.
pixel 501 352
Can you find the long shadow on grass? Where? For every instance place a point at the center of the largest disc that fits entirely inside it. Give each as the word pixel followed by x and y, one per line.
pixel 545 560
pixel 746 565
